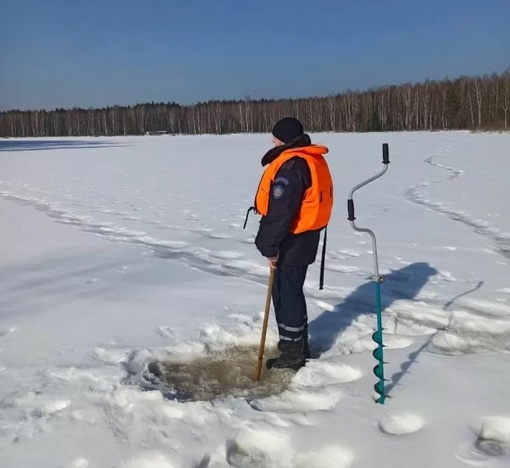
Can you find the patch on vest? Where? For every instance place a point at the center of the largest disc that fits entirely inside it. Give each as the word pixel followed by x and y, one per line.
pixel 278 191
pixel 282 180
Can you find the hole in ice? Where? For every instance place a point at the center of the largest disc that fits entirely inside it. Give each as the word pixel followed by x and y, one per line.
pixel 227 373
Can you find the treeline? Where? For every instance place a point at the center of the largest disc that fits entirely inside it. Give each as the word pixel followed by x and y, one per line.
pixel 481 102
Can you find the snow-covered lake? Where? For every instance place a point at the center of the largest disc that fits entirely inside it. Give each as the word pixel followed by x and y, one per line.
pixel 117 251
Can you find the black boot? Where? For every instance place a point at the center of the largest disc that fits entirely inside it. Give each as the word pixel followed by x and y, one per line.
pixel 292 356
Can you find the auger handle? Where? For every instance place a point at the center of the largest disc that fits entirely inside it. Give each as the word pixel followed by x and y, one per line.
pixel 385 154
pixel 350 201
pixel 350 210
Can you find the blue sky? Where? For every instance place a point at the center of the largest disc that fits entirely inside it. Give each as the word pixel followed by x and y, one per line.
pixel 65 53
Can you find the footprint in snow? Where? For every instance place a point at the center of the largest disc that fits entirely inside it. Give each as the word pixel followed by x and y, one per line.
pixel 401 424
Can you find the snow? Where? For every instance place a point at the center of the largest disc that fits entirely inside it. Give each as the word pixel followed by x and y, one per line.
pixel 399 424
pixel 116 252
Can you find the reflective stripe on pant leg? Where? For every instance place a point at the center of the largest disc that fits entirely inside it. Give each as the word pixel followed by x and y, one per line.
pixel 290 333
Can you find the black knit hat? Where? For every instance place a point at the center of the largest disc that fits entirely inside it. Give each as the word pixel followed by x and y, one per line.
pixel 288 129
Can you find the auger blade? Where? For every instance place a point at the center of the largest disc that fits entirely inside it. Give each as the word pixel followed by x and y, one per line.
pixel 378 337
pixel 378 353
pixel 379 371
pixel 379 387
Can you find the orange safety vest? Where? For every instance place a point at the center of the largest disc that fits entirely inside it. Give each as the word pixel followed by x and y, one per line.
pixel 317 203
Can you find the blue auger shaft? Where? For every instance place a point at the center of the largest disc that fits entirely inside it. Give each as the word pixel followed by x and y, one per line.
pixel 378 352
pixel 378 334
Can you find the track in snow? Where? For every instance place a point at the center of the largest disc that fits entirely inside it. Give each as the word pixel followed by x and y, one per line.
pixel 417 195
pixel 350 309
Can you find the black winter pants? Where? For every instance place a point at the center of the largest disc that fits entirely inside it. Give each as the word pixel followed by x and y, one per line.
pixel 289 302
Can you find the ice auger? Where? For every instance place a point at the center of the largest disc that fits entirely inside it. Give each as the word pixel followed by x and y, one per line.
pixel 378 334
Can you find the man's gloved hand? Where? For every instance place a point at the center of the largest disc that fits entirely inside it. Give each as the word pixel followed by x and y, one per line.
pixel 272 262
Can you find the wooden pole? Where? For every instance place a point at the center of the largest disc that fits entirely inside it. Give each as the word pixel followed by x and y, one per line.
pixel 264 325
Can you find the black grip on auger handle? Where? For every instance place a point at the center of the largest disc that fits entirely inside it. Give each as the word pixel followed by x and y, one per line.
pixel 350 209
pixel 385 154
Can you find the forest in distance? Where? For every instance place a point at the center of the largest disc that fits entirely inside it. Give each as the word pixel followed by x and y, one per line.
pixel 466 103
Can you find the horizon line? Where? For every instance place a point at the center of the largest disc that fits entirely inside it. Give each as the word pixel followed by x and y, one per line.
pixel 248 98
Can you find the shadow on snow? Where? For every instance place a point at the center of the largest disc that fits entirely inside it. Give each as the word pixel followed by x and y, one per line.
pixel 405 284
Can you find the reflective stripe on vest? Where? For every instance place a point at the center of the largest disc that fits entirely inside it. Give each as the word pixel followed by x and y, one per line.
pixel 317 204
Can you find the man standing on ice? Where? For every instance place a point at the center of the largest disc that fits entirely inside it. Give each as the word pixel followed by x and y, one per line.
pixel 295 199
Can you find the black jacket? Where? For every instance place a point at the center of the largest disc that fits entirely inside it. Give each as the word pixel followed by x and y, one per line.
pixel 291 182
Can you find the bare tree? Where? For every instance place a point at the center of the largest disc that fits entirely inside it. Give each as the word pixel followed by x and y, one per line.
pixel 478 96
pixel 505 105
pixel 466 102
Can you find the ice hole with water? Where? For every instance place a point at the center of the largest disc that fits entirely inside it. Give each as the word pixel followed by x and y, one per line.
pixel 230 372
